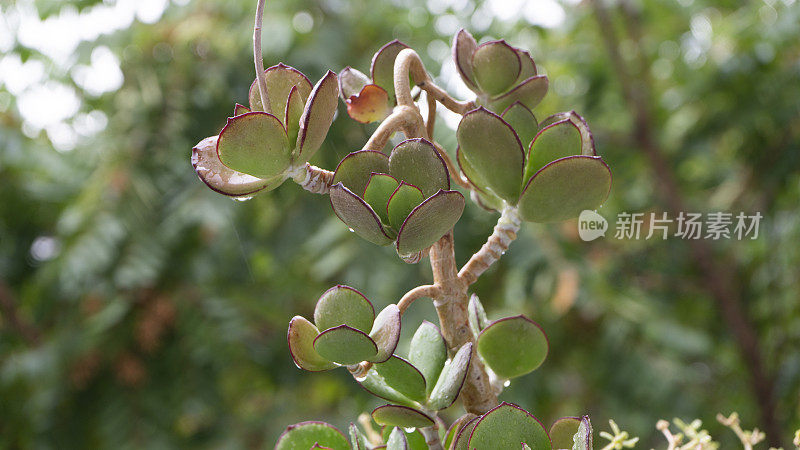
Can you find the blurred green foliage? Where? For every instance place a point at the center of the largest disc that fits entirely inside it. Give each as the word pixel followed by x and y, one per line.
pixel 141 309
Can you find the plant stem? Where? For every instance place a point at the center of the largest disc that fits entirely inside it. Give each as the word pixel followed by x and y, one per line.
pixel 404 118
pixel 313 179
pixel 431 435
pixel 445 99
pixel 258 57
pixel 427 290
pixel 504 233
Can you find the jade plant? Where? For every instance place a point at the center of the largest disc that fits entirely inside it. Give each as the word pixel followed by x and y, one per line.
pixel 409 196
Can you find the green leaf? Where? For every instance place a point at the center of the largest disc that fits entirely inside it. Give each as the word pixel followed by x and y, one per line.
pixel 301 337
pixel 294 110
pixel 522 121
pixel 240 109
pixel 358 215
pixel 386 332
pixel 428 353
pixel 464 46
pixel 462 437
pixel 494 152
pixel 379 190
pixel 455 428
pixel 587 140
pixel 564 188
pixel 562 431
pixel 343 305
pixel 583 438
pixel 401 416
pixel 476 315
pixel 530 93
pixel 430 221
pixel 317 117
pixel 254 143
pixel 555 141
pixel 513 346
pixel 397 440
pixel 351 81
pixel 304 435
pixel 382 67
pixel 403 377
pixel 417 162
pixel 496 66
pixel 527 65
pixel 357 440
pixel 223 179
pixel 355 169
pixel 374 383
pixel 403 200
pixel 345 345
pixel 508 426
pixel 451 379
pixel 280 79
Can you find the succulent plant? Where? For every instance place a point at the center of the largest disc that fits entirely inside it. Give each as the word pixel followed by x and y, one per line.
pixel 370 99
pixel 498 73
pixel 403 198
pixel 258 150
pixel 549 171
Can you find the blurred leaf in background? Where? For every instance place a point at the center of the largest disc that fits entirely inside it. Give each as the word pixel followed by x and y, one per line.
pixel 140 309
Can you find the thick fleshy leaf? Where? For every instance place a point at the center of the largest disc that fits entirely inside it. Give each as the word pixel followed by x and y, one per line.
pixel 357 214
pixel 416 441
pixel 301 337
pixel 493 150
pixel 430 221
pixel 530 93
pixel 428 353
pixel 553 142
pixel 240 109
pixel 397 440
pixel 403 377
pixel 496 66
pixel 527 65
pixel 355 169
pixel 254 143
pixel 382 67
pixel 303 436
pixel 522 121
pixel 357 439
pixel 386 332
pixel 371 104
pixel 351 81
pixel 280 80
pixel 476 315
pixel 481 195
pixel 401 416
pixel 343 305
pixel 562 431
pixel 379 190
pixel 583 438
pixel 455 428
pixel 223 179
pixel 513 346
pixel 508 426
pixel 587 140
pixel 464 46
pixel 294 110
pixel 374 383
pixel 317 117
pixel 452 378
pixel 403 200
pixel 462 437
pixel 417 162
pixel 564 188
pixel 345 345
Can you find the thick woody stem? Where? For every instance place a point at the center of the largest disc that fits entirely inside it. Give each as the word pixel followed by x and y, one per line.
pixel 258 57
pixel 477 395
pixel 427 290
pixel 407 63
pixel 431 435
pixel 445 99
pixel 504 233
pixel 404 118
pixel 313 179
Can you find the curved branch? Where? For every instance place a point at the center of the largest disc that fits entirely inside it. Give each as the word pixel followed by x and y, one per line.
pixel 407 64
pixel 445 99
pixel 405 118
pixel 258 57
pixel 455 173
pixel 313 179
pixel 504 233
pixel 428 290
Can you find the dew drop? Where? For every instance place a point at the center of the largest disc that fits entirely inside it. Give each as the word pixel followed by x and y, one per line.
pixel 242 199
pixel 410 430
pixel 507 383
pixel 351 230
pixel 361 378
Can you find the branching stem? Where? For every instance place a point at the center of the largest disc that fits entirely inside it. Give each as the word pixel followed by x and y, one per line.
pixel 427 290
pixel 258 57
pixel 312 178
pixel 445 99
pixel 504 233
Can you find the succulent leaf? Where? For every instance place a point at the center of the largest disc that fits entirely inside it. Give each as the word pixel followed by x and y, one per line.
pixel 562 431
pixel 371 104
pixel 401 416
pixel 476 315
pixel 306 435
pixel 461 441
pixel 403 200
pixel 382 67
pixel 522 121
pixel 564 188
pixel 358 215
pixel 428 353
pixel 357 439
pixel 379 190
pixel 279 79
pixel 301 337
pixel 240 109
pixel 317 117
pixel 355 169
pixel 294 110
pixel 451 379
pixel 417 162
pixel 345 345
pixel 513 346
pixel 254 143
pixel 464 46
pixel 386 332
pixel 222 178
pixel 530 93
pixel 374 383
pixel 429 221
pixel 496 66
pixel 508 426
pixel 402 376
pixel 351 81
pixel 527 65
pixel 397 440
pixel 455 428
pixel 343 305
pixel 553 142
